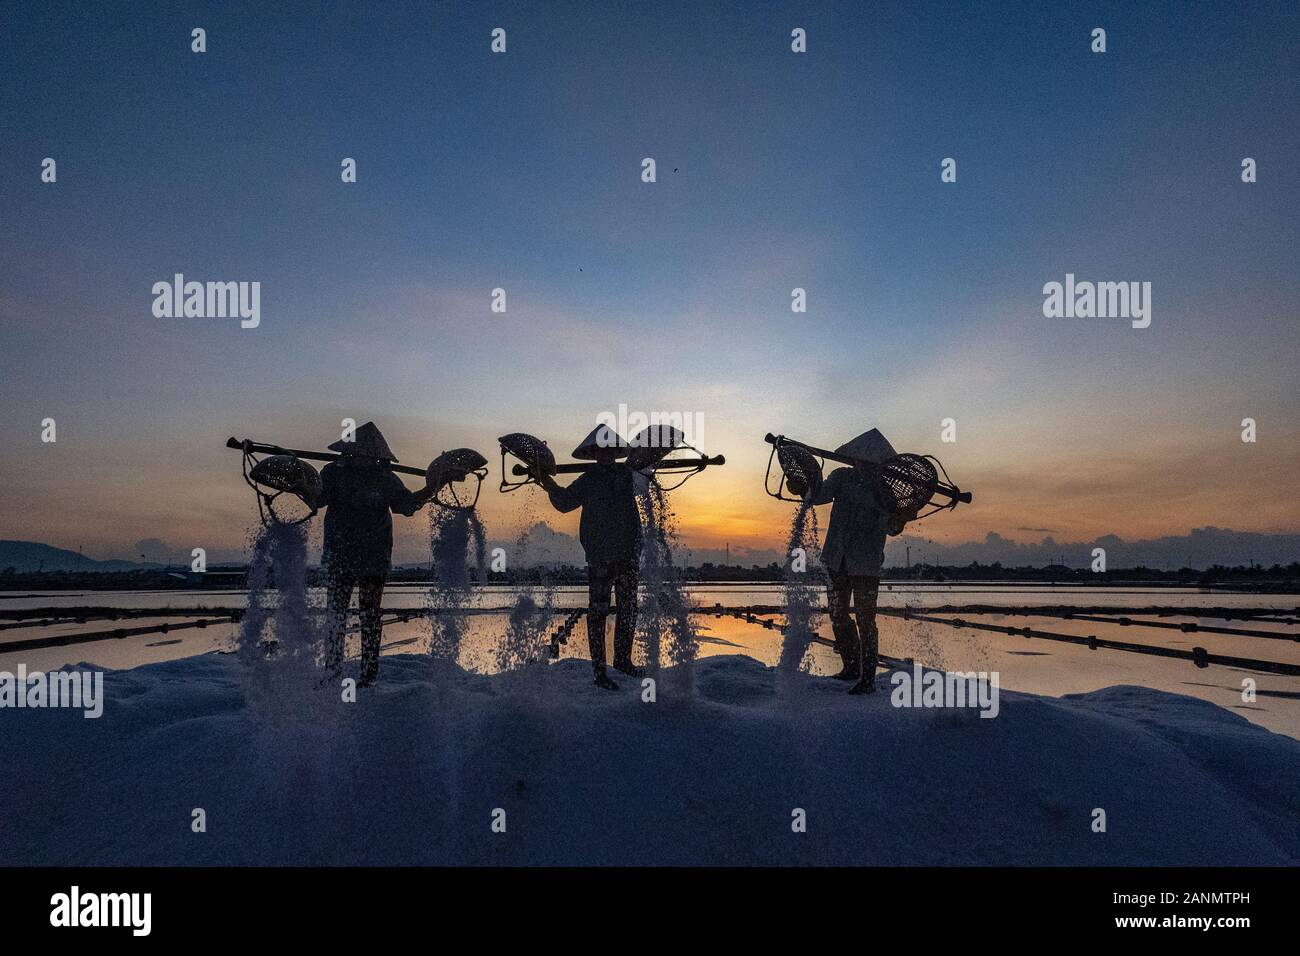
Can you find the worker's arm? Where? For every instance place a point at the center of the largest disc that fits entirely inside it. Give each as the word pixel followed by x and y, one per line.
pixel 403 500
pixel 563 500
pixel 326 495
pixel 897 522
pixel 830 487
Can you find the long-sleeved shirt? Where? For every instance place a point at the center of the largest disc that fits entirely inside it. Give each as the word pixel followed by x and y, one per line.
pixel 359 498
pixel 610 528
pixel 855 537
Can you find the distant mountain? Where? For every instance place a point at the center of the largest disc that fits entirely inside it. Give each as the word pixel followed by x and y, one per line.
pixel 25 556
pixel 542 545
pixel 1201 548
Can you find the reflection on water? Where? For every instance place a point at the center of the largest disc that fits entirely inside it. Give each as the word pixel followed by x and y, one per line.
pixel 892 594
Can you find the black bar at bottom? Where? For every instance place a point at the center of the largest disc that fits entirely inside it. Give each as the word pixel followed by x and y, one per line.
pixel 968 906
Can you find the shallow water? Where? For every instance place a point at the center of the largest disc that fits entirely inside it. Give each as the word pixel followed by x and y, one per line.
pixel 411 596
pixel 1032 665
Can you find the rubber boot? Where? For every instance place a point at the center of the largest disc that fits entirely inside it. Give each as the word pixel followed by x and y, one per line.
pixel 870 650
pixel 623 647
pixel 370 638
pixel 865 686
pixel 847 646
pixel 596 645
pixel 869 655
pixel 623 655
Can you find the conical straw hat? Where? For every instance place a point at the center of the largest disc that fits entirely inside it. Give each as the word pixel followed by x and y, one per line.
pixel 602 438
pixel 869 446
pixel 368 441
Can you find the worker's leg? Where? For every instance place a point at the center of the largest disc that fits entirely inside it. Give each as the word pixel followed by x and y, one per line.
pixel 846 635
pixel 339 599
pixel 865 592
pixel 625 581
pixel 599 582
pixel 370 598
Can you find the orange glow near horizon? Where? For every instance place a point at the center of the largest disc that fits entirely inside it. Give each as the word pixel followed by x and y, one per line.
pixel 1066 487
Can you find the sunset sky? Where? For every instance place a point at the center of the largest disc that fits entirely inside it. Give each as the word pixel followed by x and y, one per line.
pixel 775 171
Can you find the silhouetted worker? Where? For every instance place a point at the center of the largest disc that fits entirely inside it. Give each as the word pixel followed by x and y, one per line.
pixel 610 531
pixel 854 554
pixel 360 494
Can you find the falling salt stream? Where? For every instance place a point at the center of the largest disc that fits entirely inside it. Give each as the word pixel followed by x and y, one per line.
pixel 297 737
pixel 457 543
pixel 665 607
pixel 279 658
pixel 452 534
pixel 249 640
pixel 804 583
pixel 530 618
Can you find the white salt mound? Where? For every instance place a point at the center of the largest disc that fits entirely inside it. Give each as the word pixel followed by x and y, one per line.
pixel 411 774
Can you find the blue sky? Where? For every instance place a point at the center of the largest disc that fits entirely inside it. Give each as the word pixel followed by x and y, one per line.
pixel 522 170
